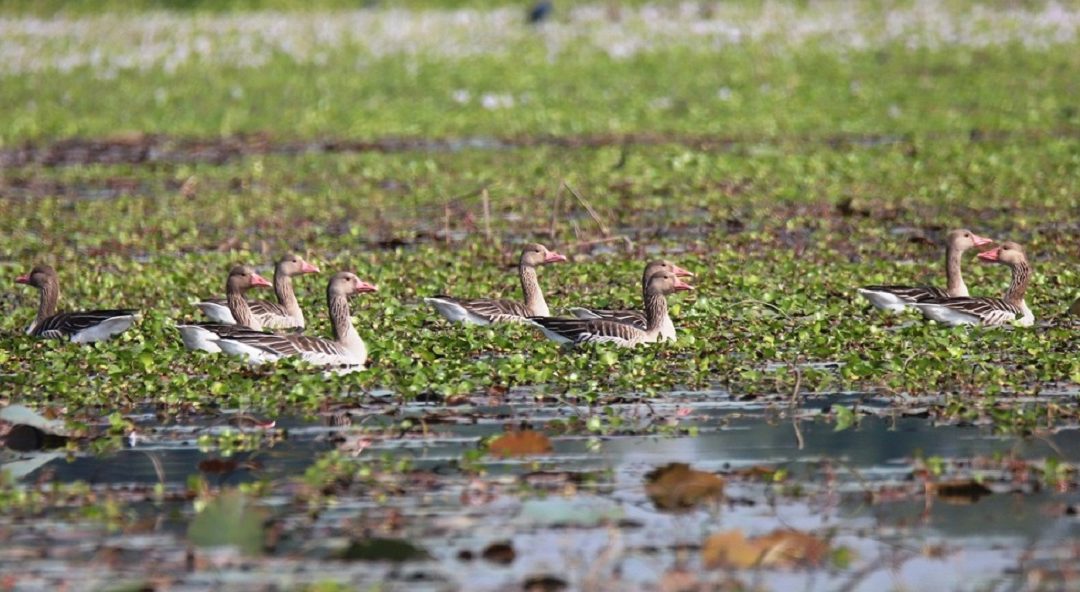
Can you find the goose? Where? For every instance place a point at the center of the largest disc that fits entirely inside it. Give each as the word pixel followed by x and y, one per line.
pixel 989 312
pixel 575 331
pixel 205 336
pixel 283 314
pixel 637 317
pixel 345 349
pixel 80 327
pixel 485 311
pixel 896 298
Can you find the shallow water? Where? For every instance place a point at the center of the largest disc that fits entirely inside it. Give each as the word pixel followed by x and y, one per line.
pixel 581 513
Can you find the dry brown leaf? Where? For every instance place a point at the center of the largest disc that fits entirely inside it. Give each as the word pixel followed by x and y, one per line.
pixel 781 548
pixel 789 548
pixel 677 487
pixel 729 549
pixel 520 443
pixel 960 491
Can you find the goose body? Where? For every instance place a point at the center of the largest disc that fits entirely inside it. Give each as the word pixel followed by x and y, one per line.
pixel 283 314
pixel 895 298
pixel 205 336
pixel 80 327
pixel 636 318
pixel 579 331
pixel 990 312
pixel 346 349
pixel 485 311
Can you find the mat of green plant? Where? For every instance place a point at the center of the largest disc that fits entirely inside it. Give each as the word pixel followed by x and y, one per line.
pixel 785 175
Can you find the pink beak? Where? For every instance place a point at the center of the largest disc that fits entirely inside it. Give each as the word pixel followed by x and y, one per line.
pixel 363 287
pixel 258 280
pixel 678 271
pixel 23 279
pixel 991 255
pixel 981 240
pixel 306 267
pixel 681 285
pixel 553 257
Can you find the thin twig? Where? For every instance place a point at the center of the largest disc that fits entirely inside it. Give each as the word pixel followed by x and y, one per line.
pixel 555 211
pixel 610 239
pixel 487 213
pixel 588 208
pixel 446 222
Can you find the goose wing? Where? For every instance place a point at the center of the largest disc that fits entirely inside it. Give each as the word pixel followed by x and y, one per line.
pixel 489 309
pixel 635 318
pixel 579 331
pixel 910 294
pixel 66 324
pixel 988 311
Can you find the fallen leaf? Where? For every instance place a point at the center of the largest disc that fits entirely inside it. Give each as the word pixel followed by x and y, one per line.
pixel 520 443
pixel 960 492
pixel 501 552
pixel 217 466
pixel 677 487
pixel 781 548
pixel 544 584
pixel 383 549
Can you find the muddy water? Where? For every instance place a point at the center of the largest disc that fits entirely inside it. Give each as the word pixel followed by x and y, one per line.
pixel 580 515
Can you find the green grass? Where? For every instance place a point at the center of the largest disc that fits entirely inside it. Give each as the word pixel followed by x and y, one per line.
pixel 747 91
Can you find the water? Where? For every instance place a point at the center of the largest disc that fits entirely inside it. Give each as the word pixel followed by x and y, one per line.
pixel 579 514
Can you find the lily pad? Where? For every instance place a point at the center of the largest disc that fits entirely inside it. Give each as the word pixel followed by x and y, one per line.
pixel 231 519
pixel 383 549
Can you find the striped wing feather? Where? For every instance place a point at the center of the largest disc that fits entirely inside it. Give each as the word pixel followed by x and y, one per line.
pixel 911 293
pixel 491 309
pixel 271 314
pixel 991 311
pixel 634 318
pixel 69 323
pixel 302 346
pixel 590 330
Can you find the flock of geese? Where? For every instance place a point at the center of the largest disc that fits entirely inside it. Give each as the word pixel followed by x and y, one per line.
pixel 244 327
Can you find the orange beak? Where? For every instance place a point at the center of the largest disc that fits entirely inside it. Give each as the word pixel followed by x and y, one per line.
pixel 991 255
pixel 680 272
pixel 23 279
pixel 306 267
pixel 981 240
pixel 553 257
pixel 366 287
pixel 259 281
pixel 681 285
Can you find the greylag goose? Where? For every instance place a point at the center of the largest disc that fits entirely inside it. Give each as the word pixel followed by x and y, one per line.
pixel 283 314
pixel 989 311
pixel 604 331
pixel 81 327
pixel 484 311
pixel 637 317
pixel 345 349
pixel 896 298
pixel 204 336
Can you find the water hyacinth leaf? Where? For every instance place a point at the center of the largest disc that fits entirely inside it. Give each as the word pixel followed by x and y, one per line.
pixel 231 519
pixel 678 487
pixel 845 417
pixel 520 443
